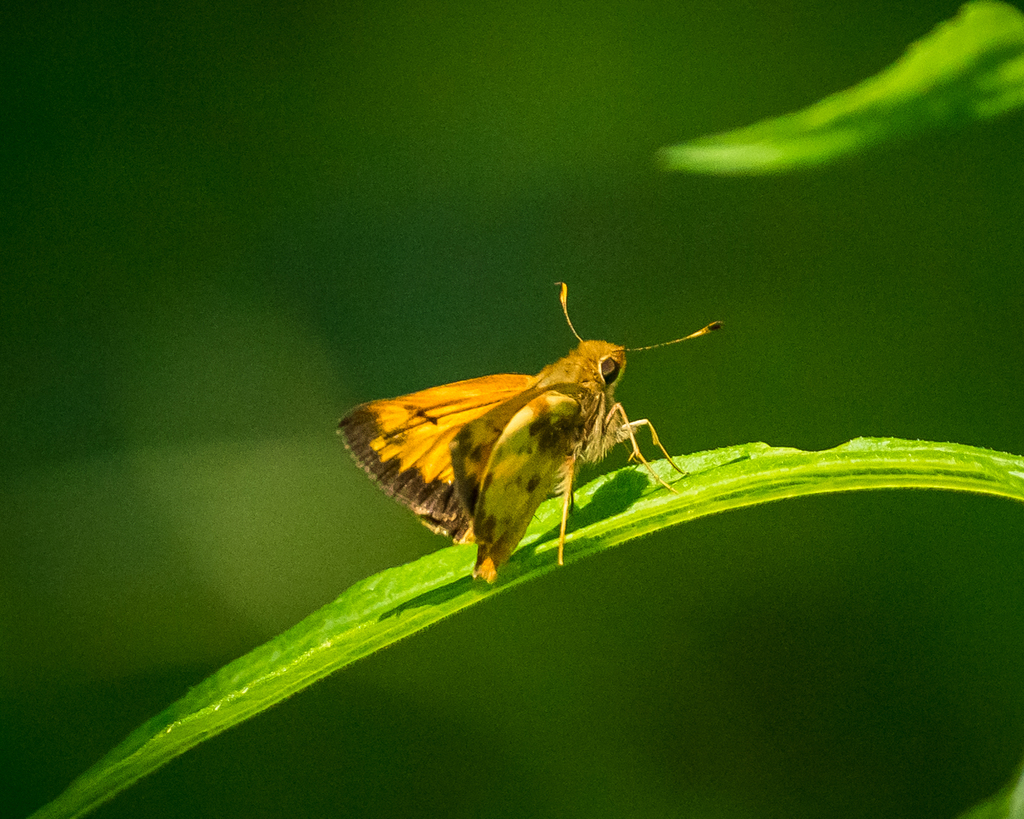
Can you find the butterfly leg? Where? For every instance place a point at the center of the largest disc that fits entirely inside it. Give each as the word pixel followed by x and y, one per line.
pixel 568 501
pixel 629 427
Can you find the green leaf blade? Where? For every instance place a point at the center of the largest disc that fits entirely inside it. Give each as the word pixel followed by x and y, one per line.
pixel 611 510
pixel 968 69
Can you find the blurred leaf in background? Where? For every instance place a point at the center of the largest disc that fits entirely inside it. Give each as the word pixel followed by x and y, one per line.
pixel 968 69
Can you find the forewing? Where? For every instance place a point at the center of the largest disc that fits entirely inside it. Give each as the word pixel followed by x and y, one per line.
pixel 403 443
pixel 524 465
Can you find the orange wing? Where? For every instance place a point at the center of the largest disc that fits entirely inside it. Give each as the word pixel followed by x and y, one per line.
pixel 403 443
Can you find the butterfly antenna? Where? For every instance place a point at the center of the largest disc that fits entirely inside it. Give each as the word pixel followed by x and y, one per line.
pixel 565 292
pixel 703 331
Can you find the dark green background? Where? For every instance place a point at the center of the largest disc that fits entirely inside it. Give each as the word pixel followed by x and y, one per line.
pixel 225 223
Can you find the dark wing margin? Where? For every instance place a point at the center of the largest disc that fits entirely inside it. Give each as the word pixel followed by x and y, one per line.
pixel 404 444
pixel 434 501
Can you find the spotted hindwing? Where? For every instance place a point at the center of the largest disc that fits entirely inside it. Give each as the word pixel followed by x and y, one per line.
pixel 507 462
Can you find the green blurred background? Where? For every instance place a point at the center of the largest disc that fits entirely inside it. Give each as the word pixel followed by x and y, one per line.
pixel 225 223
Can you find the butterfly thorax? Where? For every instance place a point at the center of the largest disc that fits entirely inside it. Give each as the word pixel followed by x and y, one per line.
pixel 589 375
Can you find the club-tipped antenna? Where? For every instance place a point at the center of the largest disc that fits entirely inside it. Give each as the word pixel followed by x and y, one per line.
pixel 561 297
pixel 703 331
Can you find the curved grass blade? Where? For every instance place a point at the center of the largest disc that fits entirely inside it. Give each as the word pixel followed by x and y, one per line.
pixel 968 68
pixel 613 509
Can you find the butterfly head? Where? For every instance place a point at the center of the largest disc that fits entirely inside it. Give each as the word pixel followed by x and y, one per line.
pixel 593 367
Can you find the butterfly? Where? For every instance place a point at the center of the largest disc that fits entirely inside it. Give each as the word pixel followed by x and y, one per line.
pixel 475 459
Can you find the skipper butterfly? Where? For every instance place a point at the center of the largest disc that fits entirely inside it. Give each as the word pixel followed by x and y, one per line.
pixel 474 459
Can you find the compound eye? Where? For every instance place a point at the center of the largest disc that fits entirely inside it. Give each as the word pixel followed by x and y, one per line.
pixel 609 370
